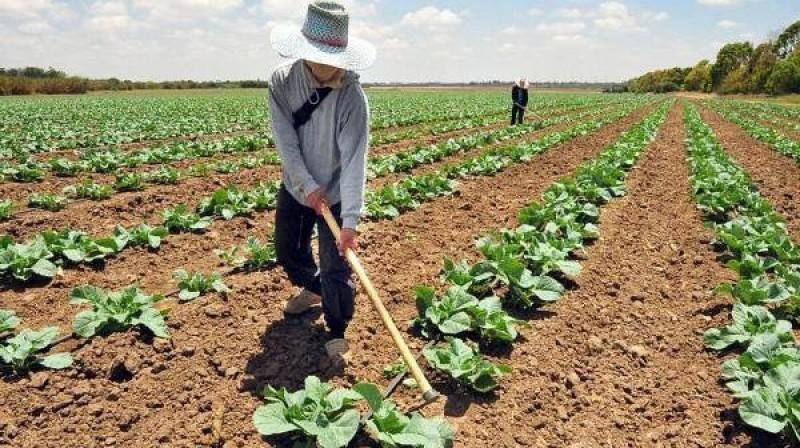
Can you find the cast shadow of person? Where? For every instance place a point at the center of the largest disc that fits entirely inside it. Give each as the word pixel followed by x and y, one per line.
pixel 291 350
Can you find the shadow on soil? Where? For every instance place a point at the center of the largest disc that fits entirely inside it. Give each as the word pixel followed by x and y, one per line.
pixel 291 350
pixel 735 431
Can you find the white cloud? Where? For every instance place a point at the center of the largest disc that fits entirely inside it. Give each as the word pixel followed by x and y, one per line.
pixel 34 9
pixel 180 10
pixel 719 2
pixel 109 16
pixel 35 27
pixel 431 17
pixel 511 31
pixel 535 12
pixel 570 13
pixel 659 16
pixel 615 16
pixel 727 24
pixel 560 28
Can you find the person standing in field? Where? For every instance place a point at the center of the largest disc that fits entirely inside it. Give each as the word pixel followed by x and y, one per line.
pixel 519 97
pixel 320 122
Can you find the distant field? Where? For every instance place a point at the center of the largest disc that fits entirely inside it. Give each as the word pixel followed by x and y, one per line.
pixel 572 262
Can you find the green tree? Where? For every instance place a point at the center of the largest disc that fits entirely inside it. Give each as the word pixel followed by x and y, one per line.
pixel 699 78
pixel 730 57
pixel 761 65
pixel 788 40
pixel 785 78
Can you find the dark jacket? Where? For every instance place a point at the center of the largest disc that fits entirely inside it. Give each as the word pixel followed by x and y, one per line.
pixel 519 95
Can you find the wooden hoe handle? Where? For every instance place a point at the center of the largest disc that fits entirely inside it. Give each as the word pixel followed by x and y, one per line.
pixel 428 393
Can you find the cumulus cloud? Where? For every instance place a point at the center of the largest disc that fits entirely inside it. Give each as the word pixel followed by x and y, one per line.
pixel 719 2
pixel 179 10
pixel 535 12
pixel 109 16
pixel 615 16
pixel 431 17
pixel 560 28
pixel 727 24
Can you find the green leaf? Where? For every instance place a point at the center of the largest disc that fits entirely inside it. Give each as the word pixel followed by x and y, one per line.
pixel 44 268
pixel 340 431
pixel 371 393
pixel 57 361
pixel 154 321
pixel 270 420
pixel 87 323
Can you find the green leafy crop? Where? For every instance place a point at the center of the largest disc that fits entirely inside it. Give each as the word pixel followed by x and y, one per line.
pixel 195 284
pixel 465 365
pixel 317 415
pixel 116 311
pixel 22 352
pixel 394 429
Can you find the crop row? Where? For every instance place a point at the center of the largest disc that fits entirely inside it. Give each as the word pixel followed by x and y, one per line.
pixel 318 403
pixel 765 115
pixel 30 169
pixel 37 125
pixel 526 266
pixel 754 239
pixel 408 194
pixel 772 137
pixel 377 166
pixel 40 256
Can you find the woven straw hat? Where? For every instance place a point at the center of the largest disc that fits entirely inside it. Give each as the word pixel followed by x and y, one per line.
pixel 325 39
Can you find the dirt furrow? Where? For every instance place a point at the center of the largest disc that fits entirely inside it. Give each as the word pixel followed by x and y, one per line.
pixel 153 269
pixel 620 360
pixel 223 352
pixel 777 176
pixel 474 152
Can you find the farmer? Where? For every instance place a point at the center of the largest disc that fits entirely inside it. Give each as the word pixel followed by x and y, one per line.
pixel 320 122
pixel 519 97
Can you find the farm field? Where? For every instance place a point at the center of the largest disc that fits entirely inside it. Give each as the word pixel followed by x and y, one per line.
pixel 621 270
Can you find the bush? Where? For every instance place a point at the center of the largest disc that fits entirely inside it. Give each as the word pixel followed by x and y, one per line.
pixel 785 78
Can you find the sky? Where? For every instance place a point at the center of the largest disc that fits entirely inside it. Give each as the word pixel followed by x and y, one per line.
pixel 417 40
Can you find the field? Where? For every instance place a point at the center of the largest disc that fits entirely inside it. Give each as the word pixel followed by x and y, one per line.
pixel 621 270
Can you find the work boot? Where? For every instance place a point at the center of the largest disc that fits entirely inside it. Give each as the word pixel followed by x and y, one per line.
pixel 302 302
pixel 337 352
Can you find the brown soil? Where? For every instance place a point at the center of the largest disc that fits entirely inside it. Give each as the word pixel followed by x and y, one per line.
pixel 455 158
pixel 777 176
pixel 620 360
pixel 127 392
pixel 780 124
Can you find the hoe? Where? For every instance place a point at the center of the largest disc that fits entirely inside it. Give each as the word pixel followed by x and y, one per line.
pixel 428 393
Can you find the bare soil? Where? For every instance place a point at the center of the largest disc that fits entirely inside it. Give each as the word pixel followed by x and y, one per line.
pixel 128 391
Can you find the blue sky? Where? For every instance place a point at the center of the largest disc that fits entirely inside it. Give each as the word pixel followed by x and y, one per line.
pixel 417 40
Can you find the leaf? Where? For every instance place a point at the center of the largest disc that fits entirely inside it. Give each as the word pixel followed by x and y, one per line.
pixel 154 322
pixel 371 393
pixel 44 268
pixel 457 323
pixel 87 323
pixel 57 361
pixel 270 420
pixel 340 431
pixel 185 295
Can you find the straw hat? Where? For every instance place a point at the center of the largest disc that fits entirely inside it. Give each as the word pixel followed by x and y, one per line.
pixel 325 39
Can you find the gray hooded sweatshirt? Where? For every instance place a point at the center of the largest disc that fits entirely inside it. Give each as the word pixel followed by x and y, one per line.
pixel 331 149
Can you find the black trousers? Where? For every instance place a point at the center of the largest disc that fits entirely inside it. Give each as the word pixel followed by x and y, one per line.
pixel 517 115
pixel 294 226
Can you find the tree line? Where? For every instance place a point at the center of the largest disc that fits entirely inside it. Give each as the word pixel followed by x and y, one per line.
pixel 772 67
pixel 35 80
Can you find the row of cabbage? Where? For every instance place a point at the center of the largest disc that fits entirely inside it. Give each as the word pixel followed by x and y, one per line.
pixel 33 125
pixel 41 256
pixel 755 241
pixel 774 138
pixel 528 266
